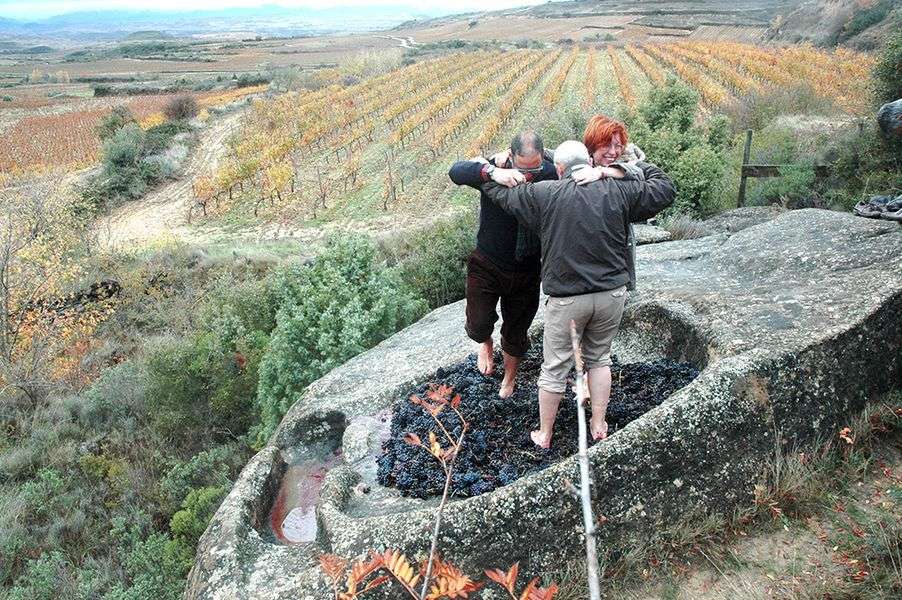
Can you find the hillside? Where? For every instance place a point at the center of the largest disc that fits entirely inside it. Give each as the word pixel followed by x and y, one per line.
pixel 609 20
pixel 854 23
pixel 383 158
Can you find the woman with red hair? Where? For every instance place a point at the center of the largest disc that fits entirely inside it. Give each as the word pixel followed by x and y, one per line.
pixel 612 156
pixel 608 144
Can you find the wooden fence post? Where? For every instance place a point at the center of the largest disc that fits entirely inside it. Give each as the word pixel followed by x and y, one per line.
pixel 745 160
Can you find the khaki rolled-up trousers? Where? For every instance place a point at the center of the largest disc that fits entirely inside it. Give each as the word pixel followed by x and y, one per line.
pixel 597 316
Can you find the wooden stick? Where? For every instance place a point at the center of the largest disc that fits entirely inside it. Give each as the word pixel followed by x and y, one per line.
pixel 582 394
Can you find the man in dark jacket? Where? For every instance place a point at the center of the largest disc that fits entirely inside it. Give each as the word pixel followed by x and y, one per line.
pixel 585 256
pixel 505 264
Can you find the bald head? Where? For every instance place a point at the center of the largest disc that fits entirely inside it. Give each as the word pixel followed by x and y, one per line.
pixel 527 149
pixel 570 154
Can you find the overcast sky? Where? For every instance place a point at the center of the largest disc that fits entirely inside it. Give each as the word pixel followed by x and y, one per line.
pixel 39 9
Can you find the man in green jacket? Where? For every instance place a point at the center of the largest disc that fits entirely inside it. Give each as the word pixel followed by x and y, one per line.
pixel 583 223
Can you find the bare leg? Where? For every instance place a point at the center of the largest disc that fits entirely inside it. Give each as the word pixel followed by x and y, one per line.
pixel 548 405
pixel 600 392
pixel 485 361
pixel 511 364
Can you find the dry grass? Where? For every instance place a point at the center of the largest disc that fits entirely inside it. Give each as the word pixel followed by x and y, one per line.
pixel 824 524
pixel 682 227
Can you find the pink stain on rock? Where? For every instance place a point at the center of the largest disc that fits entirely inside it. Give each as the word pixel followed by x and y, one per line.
pixel 293 514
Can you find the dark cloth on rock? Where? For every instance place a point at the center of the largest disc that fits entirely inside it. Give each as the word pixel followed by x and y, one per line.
pixel 880 207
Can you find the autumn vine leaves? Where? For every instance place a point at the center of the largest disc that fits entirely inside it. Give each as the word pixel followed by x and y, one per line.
pixel 448 582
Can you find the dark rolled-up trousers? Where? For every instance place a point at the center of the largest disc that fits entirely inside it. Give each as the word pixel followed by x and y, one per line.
pixel 519 295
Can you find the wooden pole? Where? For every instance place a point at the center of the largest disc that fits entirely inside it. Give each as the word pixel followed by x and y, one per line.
pixel 745 160
pixel 582 394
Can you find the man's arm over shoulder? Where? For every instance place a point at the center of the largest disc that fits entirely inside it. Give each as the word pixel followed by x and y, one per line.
pixel 468 172
pixel 653 195
pixel 524 201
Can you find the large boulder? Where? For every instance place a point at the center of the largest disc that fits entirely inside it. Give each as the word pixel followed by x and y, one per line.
pixel 795 323
pixel 890 118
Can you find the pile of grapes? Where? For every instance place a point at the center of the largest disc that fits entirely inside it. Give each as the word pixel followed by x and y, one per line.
pixel 496 448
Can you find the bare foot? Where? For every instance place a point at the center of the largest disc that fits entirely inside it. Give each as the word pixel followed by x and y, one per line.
pixel 600 432
pixel 511 365
pixel 540 439
pixel 485 360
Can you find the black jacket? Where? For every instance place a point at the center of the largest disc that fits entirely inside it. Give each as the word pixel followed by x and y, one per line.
pixel 584 229
pixel 498 231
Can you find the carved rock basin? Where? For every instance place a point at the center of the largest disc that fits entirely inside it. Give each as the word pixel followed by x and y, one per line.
pixel 794 323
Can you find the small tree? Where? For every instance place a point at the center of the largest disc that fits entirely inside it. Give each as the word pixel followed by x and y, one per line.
pixel 181 108
pixel 330 310
pixel 40 243
pixel 113 122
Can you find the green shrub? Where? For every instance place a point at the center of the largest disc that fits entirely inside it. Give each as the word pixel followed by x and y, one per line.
pixel 674 104
pixel 698 174
pixel 863 163
pixel 131 162
pixel 189 523
pixel 794 188
pixel 331 310
pixel 433 262
pixel 181 108
pixel 888 70
pixel 251 79
pixel 695 157
pixel 124 149
pixel 159 137
pixel 116 400
pixel 210 468
pixel 102 90
pixel 113 122
pixel 13 544
pixel 39 494
pixel 44 578
pixel 237 310
pixel 202 392
pixel 719 132
pixel 21 461
pixel 155 565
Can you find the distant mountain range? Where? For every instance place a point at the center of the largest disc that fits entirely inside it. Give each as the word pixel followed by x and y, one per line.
pixel 268 19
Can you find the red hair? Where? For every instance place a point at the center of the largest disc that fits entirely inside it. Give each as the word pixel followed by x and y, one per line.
pixel 600 130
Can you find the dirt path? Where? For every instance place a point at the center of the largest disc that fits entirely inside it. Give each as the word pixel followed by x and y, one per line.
pixel 164 211
pixel 404 42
